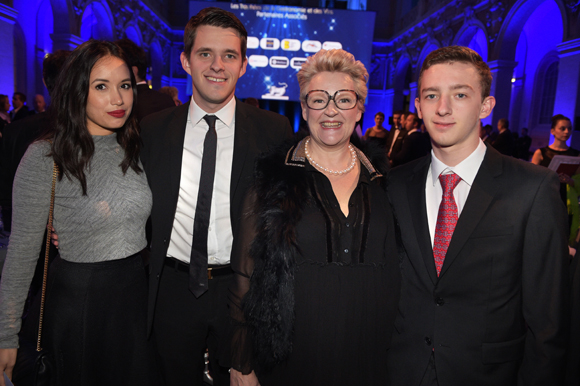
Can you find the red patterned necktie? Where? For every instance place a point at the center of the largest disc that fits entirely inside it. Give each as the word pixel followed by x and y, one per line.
pixel 446 219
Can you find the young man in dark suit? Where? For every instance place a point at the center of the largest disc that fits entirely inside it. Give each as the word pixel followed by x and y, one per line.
pixel 188 302
pixel 484 256
pixel 20 109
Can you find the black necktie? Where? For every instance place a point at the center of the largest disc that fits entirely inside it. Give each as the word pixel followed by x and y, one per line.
pixel 198 259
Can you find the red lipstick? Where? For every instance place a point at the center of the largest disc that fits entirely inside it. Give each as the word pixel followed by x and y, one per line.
pixel 117 113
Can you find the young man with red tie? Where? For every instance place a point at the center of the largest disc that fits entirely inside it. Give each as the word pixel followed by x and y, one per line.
pixel 484 259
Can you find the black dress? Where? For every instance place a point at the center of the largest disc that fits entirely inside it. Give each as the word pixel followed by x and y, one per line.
pixel 345 280
pixel 547 154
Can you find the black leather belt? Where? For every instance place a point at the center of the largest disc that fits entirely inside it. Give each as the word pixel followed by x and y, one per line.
pixel 212 270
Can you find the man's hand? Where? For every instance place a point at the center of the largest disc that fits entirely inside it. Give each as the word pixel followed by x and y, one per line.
pixel 239 379
pixel 7 361
pixel 54 238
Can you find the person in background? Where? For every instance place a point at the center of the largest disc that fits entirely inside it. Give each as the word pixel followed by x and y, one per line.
pixel 378 130
pixel 485 296
pixel 20 109
pixel 504 142
pixel 396 135
pixel 95 313
pixel 561 129
pixel 377 133
pixel 148 101
pixel 173 92
pixel 316 267
pixel 20 134
pixel 396 120
pixel 39 104
pixel 4 115
pixel 415 145
pixel 253 102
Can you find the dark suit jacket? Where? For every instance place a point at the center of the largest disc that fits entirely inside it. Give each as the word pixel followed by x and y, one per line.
pixel 497 314
pixel 20 114
pixel 398 141
pixel 163 134
pixel 505 143
pixel 150 101
pixel 16 138
pixel 415 145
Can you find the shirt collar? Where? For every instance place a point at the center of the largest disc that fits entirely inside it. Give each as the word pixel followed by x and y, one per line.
pixel 226 114
pixel 466 169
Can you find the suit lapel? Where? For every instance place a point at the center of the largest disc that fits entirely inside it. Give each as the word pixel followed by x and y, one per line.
pixel 480 197
pixel 175 140
pixel 240 147
pixel 418 207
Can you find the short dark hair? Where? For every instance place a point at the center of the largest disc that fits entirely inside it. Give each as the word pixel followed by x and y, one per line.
pixel 459 54
pixel 380 114
pixel 559 117
pixel 20 96
pixel 51 67
pixel 215 17
pixel 136 56
pixel 399 112
pixel 416 117
pixel 504 122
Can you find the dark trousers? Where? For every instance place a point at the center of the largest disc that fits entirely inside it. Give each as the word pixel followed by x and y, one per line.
pixel 184 327
pixel 430 376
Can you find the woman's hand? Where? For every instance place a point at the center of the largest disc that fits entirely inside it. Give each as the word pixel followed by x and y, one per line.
pixel 7 361
pixel 566 179
pixel 239 379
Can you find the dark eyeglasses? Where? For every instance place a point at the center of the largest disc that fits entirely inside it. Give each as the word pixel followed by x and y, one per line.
pixel 343 99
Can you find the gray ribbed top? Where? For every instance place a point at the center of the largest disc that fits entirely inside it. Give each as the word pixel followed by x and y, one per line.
pixel 106 224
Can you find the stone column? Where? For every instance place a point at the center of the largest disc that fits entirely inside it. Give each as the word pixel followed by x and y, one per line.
pixel 65 41
pixel 516 104
pixel 568 90
pixel 501 88
pixel 7 20
pixel 412 96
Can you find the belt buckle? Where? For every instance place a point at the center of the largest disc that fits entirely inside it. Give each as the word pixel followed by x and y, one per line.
pixel 209 276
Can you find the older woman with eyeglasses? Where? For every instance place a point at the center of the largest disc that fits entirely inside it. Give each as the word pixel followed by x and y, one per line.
pixel 316 266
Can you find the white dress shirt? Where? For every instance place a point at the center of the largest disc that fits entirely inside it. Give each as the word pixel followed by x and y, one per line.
pixel 219 235
pixel 466 169
pixel 395 136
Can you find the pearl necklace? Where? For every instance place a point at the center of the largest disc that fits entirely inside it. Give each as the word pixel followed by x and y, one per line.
pixel 334 172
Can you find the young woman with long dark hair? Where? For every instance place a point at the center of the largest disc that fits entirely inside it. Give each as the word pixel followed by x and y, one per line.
pixel 95 313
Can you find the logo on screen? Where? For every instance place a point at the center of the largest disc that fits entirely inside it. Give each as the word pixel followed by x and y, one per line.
pixel 332 46
pixel 290 45
pixel 258 61
pixel 253 42
pixel 279 62
pixel 276 92
pixel 270 43
pixel 296 63
pixel 311 46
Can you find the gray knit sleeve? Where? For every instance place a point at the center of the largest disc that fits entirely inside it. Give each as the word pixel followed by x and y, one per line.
pixel 31 201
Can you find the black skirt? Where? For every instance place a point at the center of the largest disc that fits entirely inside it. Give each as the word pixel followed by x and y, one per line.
pixel 95 323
